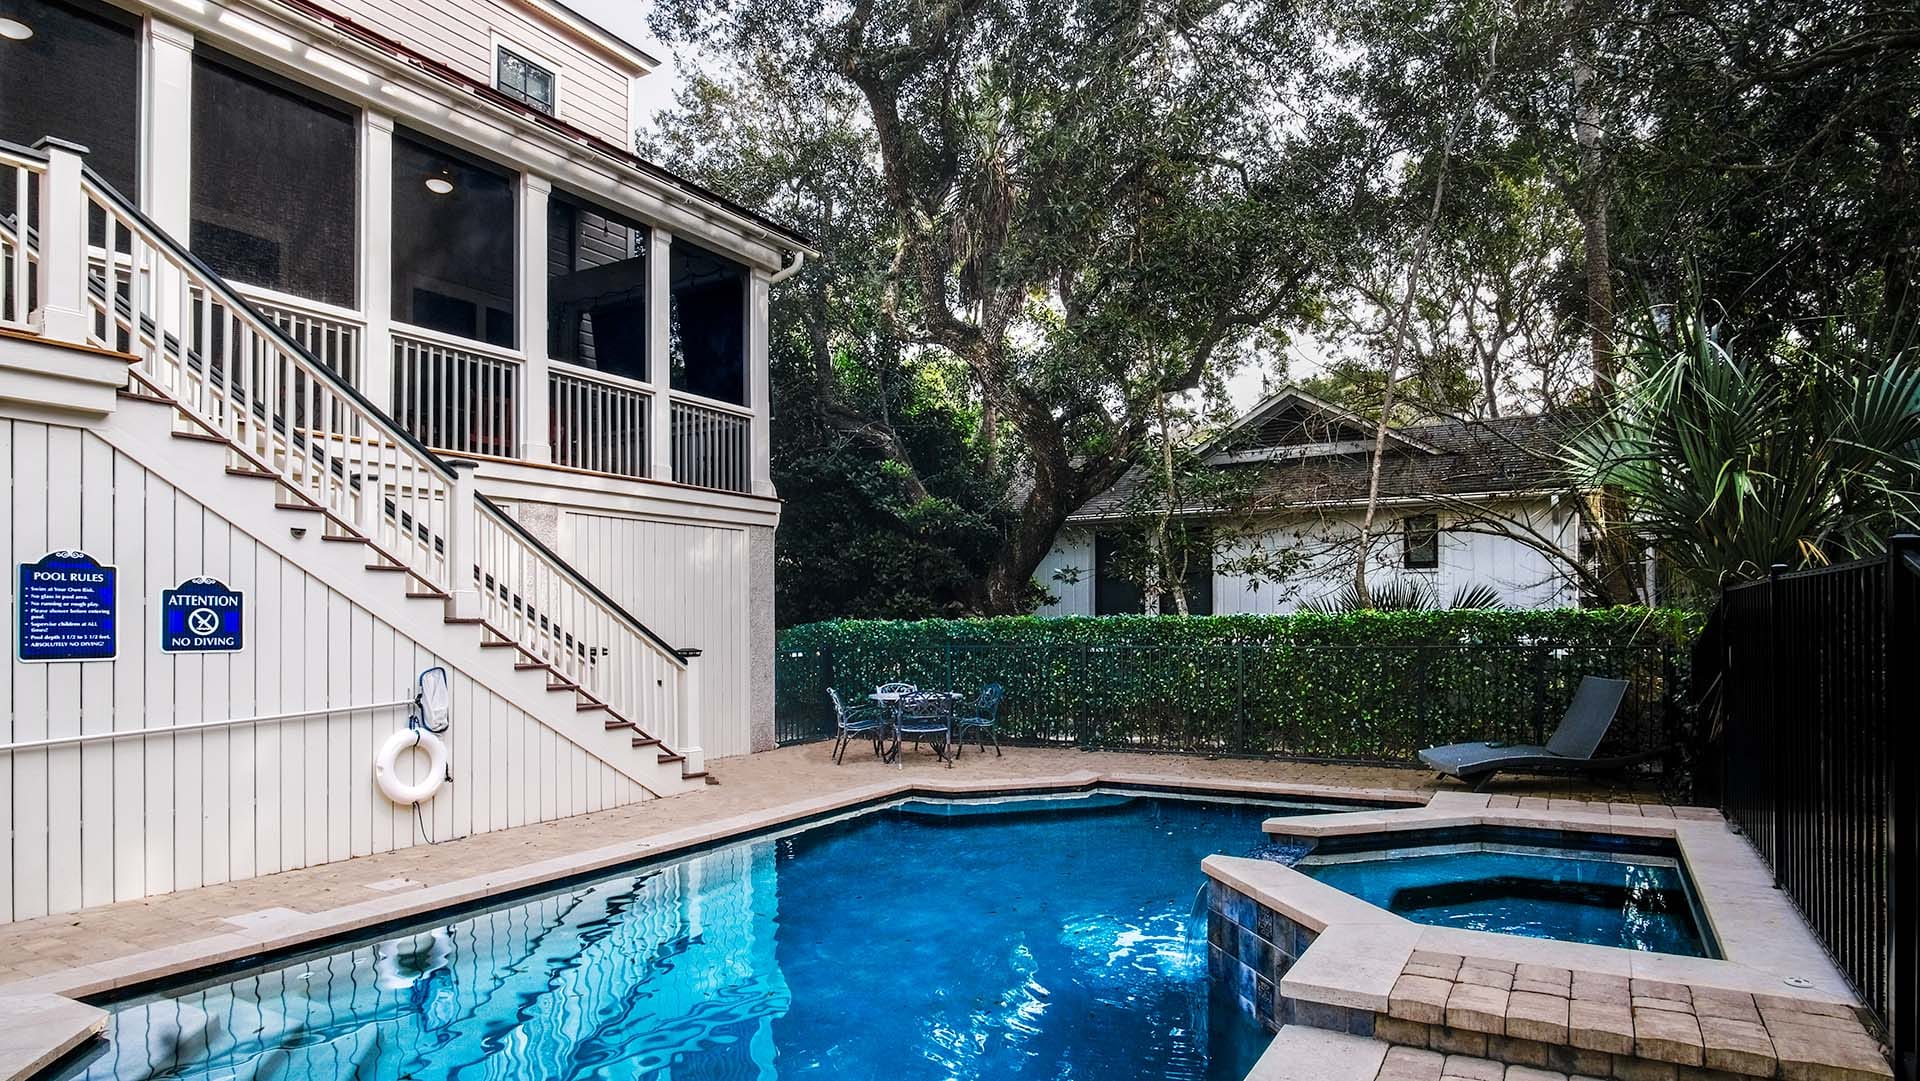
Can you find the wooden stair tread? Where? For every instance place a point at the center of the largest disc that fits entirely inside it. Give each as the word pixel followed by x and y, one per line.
pixel 256 474
pixel 499 645
pixel 426 595
pixel 345 540
pixel 530 666
pixel 307 507
pixel 617 721
pixel 694 776
pixel 459 621
pixel 645 741
pixel 386 568
pixel 666 757
pixel 585 707
pixel 202 437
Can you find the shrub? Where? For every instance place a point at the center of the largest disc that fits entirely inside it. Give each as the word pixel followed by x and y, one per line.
pixel 1370 686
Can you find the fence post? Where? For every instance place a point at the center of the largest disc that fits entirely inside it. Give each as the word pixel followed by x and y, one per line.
pixel 1777 842
pixel 1903 962
pixel 1240 697
pixel 1539 694
pixel 62 314
pixel 826 677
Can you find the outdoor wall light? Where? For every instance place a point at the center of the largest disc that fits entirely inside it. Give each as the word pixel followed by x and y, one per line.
pixel 15 30
pixel 441 183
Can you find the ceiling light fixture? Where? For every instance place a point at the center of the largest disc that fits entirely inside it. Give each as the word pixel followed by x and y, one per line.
pixel 441 183
pixel 15 30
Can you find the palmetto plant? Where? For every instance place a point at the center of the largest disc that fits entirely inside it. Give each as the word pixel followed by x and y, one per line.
pixel 1806 452
pixel 1403 595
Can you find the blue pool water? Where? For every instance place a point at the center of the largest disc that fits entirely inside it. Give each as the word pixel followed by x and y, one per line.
pixel 1049 939
pixel 1639 903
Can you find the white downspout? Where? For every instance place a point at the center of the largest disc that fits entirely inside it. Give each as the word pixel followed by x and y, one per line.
pixel 788 271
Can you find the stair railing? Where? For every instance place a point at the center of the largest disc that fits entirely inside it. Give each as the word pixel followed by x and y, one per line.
pixel 235 374
pixel 20 171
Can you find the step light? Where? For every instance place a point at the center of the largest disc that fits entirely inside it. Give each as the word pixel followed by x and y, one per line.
pixel 15 30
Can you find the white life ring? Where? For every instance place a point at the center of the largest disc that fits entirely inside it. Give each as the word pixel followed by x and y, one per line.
pixel 389 780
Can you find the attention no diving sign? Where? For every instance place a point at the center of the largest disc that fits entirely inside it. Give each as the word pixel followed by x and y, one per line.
pixel 202 616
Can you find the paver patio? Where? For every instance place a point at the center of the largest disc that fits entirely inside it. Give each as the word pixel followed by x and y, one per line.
pixel 38 947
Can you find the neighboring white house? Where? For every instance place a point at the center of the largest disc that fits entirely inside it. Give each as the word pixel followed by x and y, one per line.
pixel 1462 503
pixel 273 271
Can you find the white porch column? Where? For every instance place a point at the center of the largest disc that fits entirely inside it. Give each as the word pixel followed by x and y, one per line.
pixel 759 384
pixel 376 257
pixel 536 438
pixel 166 126
pixel 660 351
pixel 62 314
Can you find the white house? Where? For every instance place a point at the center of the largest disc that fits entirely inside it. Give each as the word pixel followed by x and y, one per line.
pixel 1462 503
pixel 357 323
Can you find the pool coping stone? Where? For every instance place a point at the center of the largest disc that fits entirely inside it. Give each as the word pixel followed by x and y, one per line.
pixel 26 1049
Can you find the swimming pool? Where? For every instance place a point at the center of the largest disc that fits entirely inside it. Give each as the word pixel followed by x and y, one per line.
pixel 1629 892
pixel 1024 938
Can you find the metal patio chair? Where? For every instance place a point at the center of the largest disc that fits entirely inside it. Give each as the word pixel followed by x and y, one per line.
pixel 980 717
pixel 867 721
pixel 923 717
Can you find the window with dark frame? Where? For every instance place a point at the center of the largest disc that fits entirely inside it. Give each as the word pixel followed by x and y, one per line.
pixel 523 80
pixel 1116 593
pixel 1421 542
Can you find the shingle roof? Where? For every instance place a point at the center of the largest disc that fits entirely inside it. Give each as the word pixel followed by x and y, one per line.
pixel 1475 457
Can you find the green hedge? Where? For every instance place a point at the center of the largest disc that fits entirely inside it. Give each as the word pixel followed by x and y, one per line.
pixel 1367 686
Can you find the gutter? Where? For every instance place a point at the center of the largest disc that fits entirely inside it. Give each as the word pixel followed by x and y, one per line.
pixel 1339 504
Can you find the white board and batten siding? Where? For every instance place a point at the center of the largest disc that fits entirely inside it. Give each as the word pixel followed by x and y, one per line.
pixel 128 818
pixel 595 93
pixel 1517 571
pixel 693 583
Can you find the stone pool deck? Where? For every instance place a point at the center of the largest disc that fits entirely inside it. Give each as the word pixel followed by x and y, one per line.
pixel 48 962
pixel 1456 1003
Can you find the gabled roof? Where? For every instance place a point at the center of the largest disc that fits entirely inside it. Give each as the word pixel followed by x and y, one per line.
pixel 1449 459
pixel 1292 417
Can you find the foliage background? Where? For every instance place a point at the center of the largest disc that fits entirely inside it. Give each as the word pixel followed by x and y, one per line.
pixel 1364 686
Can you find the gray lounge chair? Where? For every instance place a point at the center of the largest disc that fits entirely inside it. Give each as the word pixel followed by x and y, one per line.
pixel 1595 704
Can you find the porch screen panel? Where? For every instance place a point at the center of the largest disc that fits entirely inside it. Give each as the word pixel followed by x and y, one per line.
pixel 709 332
pixel 453 242
pixel 596 288
pixel 274 181
pixel 77 78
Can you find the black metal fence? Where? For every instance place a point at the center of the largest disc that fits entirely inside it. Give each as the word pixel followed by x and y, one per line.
pixel 1818 670
pixel 1363 704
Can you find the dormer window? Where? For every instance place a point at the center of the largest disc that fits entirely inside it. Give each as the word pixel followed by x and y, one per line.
pixel 523 80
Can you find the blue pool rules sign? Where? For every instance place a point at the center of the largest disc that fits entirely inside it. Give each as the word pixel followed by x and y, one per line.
pixel 202 616
pixel 65 609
